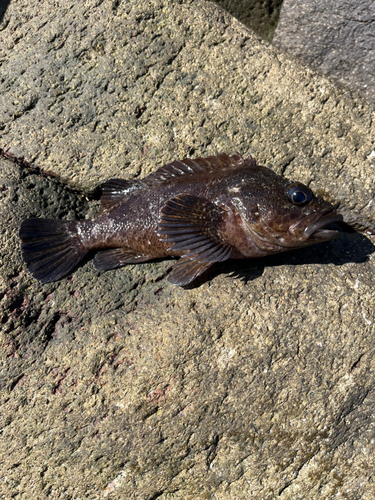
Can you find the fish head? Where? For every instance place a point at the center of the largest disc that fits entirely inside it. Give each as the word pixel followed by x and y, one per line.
pixel 279 214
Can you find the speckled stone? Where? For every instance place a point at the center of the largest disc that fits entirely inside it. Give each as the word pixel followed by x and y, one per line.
pixel 257 383
pixel 336 37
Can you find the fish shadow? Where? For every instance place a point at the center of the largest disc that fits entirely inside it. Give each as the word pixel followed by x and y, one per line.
pixel 350 246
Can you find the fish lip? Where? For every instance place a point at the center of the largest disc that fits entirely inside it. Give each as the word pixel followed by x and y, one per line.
pixel 307 231
pixel 317 229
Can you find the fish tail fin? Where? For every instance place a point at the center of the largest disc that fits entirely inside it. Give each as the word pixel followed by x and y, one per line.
pixel 50 248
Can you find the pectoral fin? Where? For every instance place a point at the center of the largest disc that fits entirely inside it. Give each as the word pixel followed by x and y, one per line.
pixel 193 226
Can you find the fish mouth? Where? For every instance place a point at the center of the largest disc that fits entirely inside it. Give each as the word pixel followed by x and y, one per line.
pixel 309 230
pixel 317 229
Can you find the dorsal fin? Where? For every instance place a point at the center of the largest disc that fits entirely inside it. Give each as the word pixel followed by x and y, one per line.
pixel 189 167
pixel 115 191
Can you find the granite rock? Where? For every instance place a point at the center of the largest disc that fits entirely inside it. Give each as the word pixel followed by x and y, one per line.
pixel 256 383
pixel 336 37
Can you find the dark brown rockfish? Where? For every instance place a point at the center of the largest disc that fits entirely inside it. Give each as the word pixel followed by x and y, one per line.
pixel 204 210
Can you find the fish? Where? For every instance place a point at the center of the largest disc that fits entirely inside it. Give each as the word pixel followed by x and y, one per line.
pixel 203 210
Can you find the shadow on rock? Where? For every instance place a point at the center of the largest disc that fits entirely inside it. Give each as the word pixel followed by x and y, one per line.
pixel 348 247
pixel 3 7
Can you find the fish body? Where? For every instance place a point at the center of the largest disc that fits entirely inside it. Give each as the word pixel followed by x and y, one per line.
pixel 204 210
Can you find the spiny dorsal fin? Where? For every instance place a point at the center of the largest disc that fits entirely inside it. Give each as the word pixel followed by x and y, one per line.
pixel 115 191
pixel 189 167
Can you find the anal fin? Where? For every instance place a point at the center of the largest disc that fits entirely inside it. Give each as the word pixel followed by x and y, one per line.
pixel 117 257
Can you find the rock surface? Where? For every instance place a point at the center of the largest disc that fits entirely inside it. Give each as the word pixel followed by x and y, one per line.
pixel 259 15
pixel 259 382
pixel 335 37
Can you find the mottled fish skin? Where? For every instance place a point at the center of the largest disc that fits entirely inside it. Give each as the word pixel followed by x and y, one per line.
pixel 204 210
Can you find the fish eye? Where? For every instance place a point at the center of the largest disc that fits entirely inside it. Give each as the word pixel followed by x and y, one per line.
pixel 299 195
